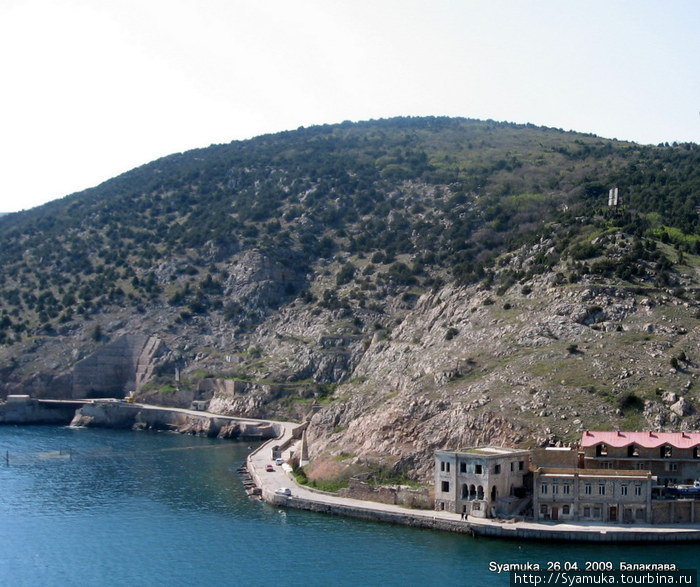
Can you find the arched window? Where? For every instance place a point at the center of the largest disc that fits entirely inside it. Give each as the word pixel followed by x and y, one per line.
pixel 494 493
pixel 480 492
pixel 601 450
pixel 465 491
pixel 472 492
pixel 666 451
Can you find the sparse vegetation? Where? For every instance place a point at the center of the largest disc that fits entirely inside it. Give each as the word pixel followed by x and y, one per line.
pixel 278 262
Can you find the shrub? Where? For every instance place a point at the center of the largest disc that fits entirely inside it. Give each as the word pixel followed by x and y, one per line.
pixel 451 333
pixel 345 275
pixel 96 333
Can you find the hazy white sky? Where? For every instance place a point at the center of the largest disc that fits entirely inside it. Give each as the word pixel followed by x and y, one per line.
pixel 93 88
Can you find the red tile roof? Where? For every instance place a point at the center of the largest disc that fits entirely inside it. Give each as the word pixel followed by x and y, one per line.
pixel 643 439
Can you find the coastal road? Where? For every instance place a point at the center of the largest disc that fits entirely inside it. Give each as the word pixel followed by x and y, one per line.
pixel 282 477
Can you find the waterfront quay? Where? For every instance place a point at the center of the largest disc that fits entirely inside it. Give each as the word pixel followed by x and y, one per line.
pixel 286 439
pixel 305 498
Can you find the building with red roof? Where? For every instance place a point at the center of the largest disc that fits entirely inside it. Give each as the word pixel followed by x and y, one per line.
pixel 673 457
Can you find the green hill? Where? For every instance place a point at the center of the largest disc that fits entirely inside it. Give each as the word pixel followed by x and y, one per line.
pixel 283 262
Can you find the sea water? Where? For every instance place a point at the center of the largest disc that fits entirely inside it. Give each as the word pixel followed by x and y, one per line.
pixel 104 507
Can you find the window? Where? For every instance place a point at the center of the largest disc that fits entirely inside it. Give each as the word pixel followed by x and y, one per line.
pixel 478 469
pixel 555 488
pixel 606 465
pixel 521 465
pixel 496 469
pixel 601 450
pixel 642 466
pixel 566 510
pixel 586 512
pixel 597 512
pixel 442 465
pixel 587 488
pixel 543 508
pixel 623 489
pixel 544 489
pixel 639 514
pixel 671 466
pixel 638 490
pixel 447 467
pixel 566 489
pixel 445 486
pixel 696 452
pixel 632 450
pixel 462 467
pixel 512 467
pixel 601 488
pixel 666 451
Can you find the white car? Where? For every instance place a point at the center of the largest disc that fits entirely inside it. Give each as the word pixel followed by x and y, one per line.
pixel 279 461
pixel 284 491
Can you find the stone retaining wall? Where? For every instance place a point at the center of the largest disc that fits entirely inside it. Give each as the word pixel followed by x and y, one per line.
pixel 505 530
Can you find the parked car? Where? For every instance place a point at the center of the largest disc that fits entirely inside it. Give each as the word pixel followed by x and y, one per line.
pixel 284 491
pixel 279 461
pixel 269 468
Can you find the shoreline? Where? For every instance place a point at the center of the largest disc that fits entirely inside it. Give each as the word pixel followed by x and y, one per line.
pixel 312 500
pixel 284 436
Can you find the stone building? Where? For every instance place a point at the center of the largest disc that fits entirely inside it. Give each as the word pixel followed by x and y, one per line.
pixel 606 496
pixel 611 477
pixel 482 482
pixel 672 457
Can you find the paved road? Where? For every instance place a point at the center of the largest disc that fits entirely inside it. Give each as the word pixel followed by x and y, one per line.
pixel 282 477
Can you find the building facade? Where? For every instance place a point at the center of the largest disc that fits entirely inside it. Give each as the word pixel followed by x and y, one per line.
pixel 480 481
pixel 606 496
pixel 611 477
pixel 672 457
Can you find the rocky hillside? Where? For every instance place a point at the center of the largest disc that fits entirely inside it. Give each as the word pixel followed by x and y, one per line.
pixel 406 285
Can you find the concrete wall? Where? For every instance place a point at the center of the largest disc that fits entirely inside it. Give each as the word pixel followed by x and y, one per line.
pixel 30 411
pixel 680 511
pixel 510 531
pixel 113 370
pixel 395 495
pixel 555 457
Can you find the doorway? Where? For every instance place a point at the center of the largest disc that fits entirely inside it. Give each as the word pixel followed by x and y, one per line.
pixel 555 512
pixel 613 513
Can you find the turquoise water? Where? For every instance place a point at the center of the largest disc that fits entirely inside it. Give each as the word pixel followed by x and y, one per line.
pixel 139 508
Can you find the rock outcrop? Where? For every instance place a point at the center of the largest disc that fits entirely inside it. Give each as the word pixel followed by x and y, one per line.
pixel 120 415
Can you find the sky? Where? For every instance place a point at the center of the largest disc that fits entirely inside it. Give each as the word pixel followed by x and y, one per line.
pixel 92 89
